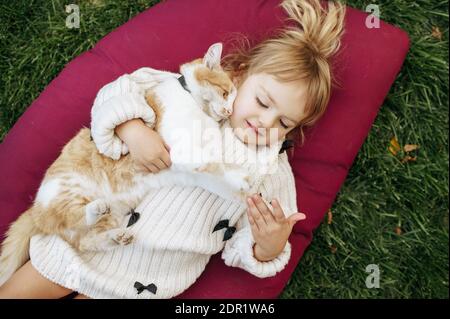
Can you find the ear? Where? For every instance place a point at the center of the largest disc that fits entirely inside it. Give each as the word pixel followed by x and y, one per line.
pixel 212 57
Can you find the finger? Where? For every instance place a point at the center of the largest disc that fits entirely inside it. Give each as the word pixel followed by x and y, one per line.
pixel 158 163
pixel 140 168
pixel 166 146
pixel 256 214
pixel 264 210
pixel 277 211
pixel 252 222
pixel 152 168
pixel 295 218
pixel 165 164
pixel 166 159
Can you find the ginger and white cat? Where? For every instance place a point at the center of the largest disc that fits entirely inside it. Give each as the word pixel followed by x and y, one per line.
pixel 86 196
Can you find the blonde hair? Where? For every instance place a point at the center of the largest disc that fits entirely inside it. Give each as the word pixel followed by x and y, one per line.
pixel 299 52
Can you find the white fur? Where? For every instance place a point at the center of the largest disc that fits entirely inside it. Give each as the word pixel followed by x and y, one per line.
pixel 188 146
pixel 186 119
pixel 48 190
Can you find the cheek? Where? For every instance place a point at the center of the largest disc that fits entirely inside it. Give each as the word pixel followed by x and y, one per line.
pixel 238 110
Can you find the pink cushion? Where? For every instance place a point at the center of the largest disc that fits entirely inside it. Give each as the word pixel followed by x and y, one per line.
pixel 173 32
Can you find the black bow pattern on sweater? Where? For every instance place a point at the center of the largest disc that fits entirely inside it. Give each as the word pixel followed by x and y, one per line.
pixel 133 218
pixel 140 287
pixel 224 224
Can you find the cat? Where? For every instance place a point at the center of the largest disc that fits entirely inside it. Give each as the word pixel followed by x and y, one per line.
pixel 86 196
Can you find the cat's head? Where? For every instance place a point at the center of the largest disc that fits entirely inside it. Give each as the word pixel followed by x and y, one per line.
pixel 209 84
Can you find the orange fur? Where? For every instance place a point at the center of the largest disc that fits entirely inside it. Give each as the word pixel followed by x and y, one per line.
pixel 156 105
pixel 81 155
pixel 67 211
pixel 219 80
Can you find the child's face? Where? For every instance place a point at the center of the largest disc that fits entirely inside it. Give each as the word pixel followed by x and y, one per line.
pixel 275 117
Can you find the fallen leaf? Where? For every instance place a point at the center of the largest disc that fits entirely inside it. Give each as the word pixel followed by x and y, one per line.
pixel 436 33
pixel 394 146
pixel 333 249
pixel 398 230
pixel 330 217
pixel 408 158
pixel 410 147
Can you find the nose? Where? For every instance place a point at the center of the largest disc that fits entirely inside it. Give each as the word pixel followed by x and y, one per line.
pixel 266 120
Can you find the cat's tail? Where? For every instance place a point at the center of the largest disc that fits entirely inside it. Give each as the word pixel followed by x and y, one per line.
pixel 15 247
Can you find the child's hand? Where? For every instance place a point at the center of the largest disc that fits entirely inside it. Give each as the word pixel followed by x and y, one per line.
pixel 270 230
pixel 147 149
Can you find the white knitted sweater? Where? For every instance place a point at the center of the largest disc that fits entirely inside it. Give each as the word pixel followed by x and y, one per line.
pixel 174 235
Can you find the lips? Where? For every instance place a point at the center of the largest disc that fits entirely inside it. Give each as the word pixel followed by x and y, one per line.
pixel 252 127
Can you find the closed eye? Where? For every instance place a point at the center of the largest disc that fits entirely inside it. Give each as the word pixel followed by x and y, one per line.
pixel 265 106
pixel 261 104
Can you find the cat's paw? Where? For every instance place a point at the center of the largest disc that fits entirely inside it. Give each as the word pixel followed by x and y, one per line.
pixel 238 179
pixel 95 209
pixel 122 237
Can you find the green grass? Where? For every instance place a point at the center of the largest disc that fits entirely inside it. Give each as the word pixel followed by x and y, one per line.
pixel 380 193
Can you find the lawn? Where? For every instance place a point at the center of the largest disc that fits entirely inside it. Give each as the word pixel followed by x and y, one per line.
pixel 389 213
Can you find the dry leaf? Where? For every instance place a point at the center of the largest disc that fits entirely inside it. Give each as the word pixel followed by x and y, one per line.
pixel 330 217
pixel 394 146
pixel 333 249
pixel 408 158
pixel 410 147
pixel 398 230
pixel 436 33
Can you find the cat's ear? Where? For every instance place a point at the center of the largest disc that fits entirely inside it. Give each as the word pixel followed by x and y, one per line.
pixel 212 57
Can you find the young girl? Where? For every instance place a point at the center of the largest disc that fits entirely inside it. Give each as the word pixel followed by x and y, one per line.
pixel 283 83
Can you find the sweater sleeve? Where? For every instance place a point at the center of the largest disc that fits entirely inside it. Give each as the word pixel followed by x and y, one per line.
pixel 120 101
pixel 238 250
